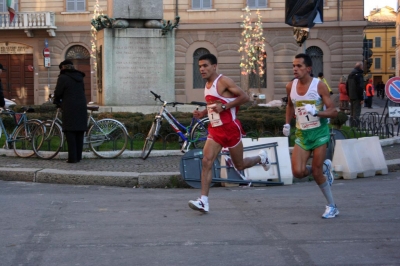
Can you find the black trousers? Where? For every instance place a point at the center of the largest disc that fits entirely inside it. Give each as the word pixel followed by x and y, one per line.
pixel 75 145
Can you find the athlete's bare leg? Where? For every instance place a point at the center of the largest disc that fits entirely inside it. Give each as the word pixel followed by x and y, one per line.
pixel 210 152
pixel 317 164
pixel 299 162
pixel 241 163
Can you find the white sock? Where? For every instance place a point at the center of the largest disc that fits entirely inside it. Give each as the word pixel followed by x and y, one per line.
pixel 204 199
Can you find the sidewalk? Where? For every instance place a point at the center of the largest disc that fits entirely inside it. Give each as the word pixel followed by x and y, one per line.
pixel 160 170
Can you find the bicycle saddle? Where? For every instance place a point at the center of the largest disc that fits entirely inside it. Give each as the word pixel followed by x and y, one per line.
pixel 93 107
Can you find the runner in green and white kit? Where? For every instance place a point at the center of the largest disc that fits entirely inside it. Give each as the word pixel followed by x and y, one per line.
pixel 309 100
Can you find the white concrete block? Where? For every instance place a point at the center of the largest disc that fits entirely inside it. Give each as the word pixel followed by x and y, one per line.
pixel 359 158
pixel 257 172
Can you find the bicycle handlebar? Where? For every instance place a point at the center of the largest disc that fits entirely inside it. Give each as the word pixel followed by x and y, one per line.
pixel 156 96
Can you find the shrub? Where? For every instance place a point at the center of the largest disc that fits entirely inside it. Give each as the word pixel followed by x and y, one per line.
pixel 339 120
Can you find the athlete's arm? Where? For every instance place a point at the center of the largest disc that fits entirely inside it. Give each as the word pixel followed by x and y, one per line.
pixel 330 109
pixel 230 90
pixel 289 106
pixel 199 114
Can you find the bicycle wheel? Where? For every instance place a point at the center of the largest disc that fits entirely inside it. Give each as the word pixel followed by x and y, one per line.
pixel 107 138
pixel 47 140
pixel 199 133
pixel 22 139
pixel 150 139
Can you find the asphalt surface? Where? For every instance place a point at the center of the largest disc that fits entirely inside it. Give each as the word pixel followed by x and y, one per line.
pixel 49 224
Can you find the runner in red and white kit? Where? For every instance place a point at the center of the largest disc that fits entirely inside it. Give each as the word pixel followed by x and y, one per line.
pixel 223 99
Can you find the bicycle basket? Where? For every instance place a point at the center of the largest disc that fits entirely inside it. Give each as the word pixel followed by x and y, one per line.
pixel 17 117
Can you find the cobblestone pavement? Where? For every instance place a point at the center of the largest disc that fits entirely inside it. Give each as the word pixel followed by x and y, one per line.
pixel 151 164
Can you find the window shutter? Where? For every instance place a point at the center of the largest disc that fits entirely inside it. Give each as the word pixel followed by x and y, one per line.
pixel 206 3
pixel 196 4
pixel 377 41
pixel 251 3
pixel 80 5
pixel 377 63
pixel 2 9
pixel 262 3
pixel 70 5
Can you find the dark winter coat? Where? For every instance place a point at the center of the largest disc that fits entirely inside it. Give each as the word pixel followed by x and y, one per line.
pixel 355 85
pixel 2 102
pixel 70 92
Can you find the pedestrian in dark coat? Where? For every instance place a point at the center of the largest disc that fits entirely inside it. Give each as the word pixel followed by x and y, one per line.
pixel 2 101
pixel 70 94
pixel 355 90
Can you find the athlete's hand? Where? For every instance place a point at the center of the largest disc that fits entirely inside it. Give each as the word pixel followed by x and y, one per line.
pixel 311 109
pixel 197 114
pixel 286 130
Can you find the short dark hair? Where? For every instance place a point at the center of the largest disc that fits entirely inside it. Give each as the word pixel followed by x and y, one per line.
pixel 306 58
pixel 320 74
pixel 210 57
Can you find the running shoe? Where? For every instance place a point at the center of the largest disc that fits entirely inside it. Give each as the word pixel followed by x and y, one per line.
pixel 199 205
pixel 264 160
pixel 330 212
pixel 328 171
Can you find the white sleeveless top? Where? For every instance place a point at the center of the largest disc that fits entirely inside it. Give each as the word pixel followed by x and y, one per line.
pixel 303 120
pixel 211 95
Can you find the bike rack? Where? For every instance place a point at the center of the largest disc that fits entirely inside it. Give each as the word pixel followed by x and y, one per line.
pixel 191 164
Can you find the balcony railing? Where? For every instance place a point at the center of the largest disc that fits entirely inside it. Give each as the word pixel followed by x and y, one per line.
pixel 29 21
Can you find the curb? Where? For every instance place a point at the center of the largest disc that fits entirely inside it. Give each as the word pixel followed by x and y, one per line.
pixel 99 178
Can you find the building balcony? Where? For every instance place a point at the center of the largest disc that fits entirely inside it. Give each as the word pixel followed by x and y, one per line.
pixel 29 21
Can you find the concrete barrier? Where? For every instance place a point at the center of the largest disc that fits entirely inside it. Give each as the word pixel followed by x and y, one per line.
pixel 285 167
pixel 361 157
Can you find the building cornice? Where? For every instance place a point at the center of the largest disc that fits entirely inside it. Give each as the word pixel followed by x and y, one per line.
pixel 224 26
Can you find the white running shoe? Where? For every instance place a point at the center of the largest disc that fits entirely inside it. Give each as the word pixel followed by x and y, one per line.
pixel 264 160
pixel 199 205
pixel 330 212
pixel 328 171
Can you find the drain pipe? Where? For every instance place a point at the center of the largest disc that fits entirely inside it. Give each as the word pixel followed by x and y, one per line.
pixel 176 8
pixel 338 10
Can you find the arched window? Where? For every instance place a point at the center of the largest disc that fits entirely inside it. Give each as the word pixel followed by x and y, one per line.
pixel 256 80
pixel 77 52
pixel 198 81
pixel 80 57
pixel 317 56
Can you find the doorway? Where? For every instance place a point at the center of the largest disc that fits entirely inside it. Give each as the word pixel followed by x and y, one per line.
pixel 80 57
pixel 17 80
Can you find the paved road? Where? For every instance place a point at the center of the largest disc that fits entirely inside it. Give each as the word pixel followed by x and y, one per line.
pixel 48 224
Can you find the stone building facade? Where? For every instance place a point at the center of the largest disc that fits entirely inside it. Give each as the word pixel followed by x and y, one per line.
pixel 335 45
pixel 205 26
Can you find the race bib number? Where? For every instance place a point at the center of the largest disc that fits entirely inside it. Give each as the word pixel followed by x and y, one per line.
pixel 305 120
pixel 214 117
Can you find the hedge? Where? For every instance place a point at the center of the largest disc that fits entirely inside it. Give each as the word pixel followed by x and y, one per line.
pixel 254 119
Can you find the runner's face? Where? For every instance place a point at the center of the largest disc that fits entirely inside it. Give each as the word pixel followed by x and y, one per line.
pixel 206 69
pixel 300 70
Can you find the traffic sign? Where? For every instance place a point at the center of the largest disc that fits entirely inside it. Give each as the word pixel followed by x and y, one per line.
pixel 46 52
pixel 392 89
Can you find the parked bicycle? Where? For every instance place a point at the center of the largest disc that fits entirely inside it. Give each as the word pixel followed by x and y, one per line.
pixel 195 133
pixel 21 137
pixel 107 138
